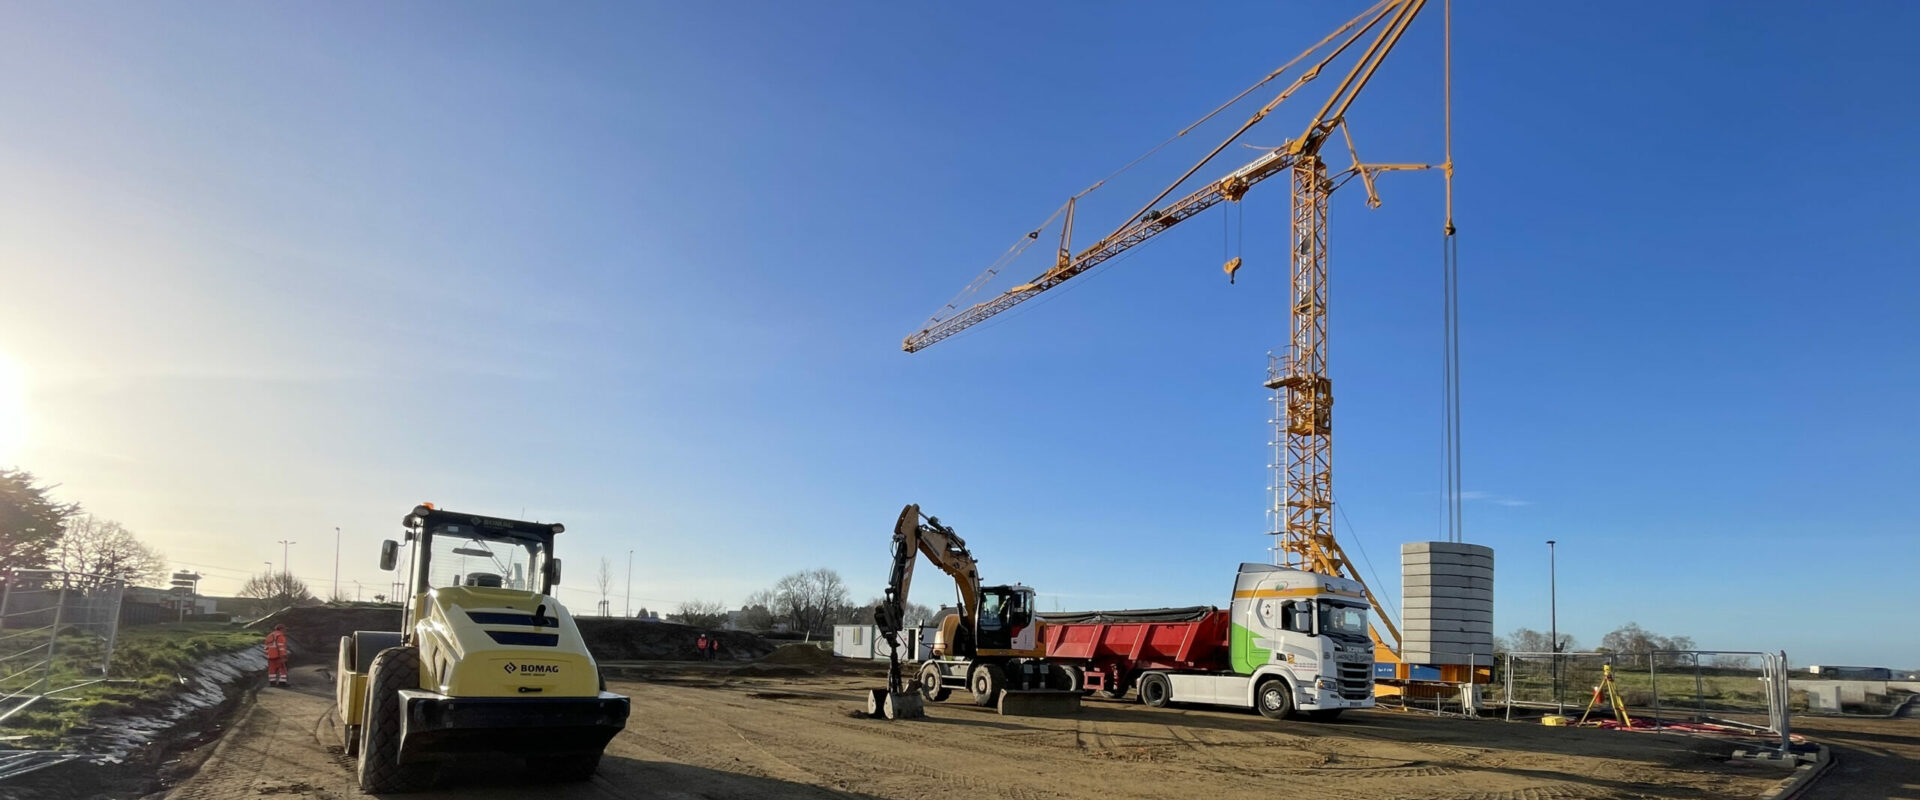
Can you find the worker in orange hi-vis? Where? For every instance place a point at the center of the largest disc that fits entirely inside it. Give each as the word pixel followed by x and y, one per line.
pixel 277 652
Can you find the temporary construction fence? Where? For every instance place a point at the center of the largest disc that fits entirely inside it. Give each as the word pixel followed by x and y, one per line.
pixel 1662 686
pixel 57 630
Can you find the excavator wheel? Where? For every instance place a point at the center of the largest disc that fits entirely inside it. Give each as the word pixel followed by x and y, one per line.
pixel 931 688
pixel 987 682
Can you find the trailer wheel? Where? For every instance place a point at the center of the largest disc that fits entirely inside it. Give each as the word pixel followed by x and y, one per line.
pixel 988 681
pixel 1065 679
pixel 343 692
pixel 1274 699
pixel 570 768
pixel 1155 690
pixel 932 689
pixel 380 769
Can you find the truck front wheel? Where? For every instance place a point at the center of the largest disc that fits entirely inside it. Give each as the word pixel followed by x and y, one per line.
pixel 987 682
pixel 381 772
pixel 1155 690
pixel 1274 699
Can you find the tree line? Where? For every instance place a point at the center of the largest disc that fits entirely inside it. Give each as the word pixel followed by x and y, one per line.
pixel 808 602
pixel 39 532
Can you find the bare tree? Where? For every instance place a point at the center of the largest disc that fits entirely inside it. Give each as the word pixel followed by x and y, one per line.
pixel 809 600
pixel 756 613
pixel 914 614
pixel 1528 640
pixel 102 547
pixel 276 590
pixel 700 614
pixel 604 580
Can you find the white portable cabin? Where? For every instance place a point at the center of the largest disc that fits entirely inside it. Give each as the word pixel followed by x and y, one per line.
pixel 864 641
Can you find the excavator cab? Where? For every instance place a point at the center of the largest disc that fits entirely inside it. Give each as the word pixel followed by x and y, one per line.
pixel 1006 619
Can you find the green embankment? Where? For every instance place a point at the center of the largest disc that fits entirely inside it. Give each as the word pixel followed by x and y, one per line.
pixel 147 663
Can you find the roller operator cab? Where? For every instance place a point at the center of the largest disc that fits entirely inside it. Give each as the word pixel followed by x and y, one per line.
pixel 487 662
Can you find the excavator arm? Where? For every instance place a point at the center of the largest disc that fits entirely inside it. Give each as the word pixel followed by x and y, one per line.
pixel 912 537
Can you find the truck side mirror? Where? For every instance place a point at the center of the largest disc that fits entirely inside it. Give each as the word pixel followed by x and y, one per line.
pixel 553 572
pixel 389 554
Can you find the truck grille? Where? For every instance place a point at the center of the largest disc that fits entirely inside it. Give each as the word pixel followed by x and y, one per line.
pixel 1356 680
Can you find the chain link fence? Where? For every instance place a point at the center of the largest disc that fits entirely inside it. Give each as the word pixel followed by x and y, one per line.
pixel 57 631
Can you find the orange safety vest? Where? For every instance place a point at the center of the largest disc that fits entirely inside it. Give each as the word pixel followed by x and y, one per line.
pixel 276 645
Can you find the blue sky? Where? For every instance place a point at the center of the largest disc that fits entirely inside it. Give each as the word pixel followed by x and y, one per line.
pixel 270 269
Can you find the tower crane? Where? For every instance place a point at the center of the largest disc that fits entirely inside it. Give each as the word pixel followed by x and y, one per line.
pixel 1308 540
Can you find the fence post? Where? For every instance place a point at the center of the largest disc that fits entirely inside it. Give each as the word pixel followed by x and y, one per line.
pixel 113 625
pixel 1785 691
pixel 6 595
pixel 1509 697
pixel 1653 680
pixel 53 640
pixel 1699 692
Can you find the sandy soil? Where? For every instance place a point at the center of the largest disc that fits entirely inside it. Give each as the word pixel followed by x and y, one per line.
pixel 1873 758
pixel 700 732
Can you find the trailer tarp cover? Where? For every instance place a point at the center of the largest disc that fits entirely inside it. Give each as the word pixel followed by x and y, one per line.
pixel 1186 614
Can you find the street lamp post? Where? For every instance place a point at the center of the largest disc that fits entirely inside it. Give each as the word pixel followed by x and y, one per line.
pixel 629 584
pixel 1553 625
pixel 284 547
pixel 336 561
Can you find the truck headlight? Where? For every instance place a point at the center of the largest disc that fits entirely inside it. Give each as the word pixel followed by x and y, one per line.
pixel 1325 684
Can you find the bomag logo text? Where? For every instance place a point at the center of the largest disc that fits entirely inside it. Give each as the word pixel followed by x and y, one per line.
pixel 533 669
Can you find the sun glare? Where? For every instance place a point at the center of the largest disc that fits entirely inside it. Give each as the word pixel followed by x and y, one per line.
pixel 13 411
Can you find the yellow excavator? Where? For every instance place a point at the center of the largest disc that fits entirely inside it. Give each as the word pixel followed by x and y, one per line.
pixel 992 646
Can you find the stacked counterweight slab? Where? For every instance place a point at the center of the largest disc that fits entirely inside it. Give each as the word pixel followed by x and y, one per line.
pixel 1448 591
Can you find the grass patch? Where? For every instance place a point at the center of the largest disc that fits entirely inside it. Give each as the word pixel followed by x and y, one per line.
pixel 147 663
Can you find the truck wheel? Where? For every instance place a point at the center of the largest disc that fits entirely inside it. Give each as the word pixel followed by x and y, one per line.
pixel 988 681
pixel 931 689
pixel 1274 699
pixel 1325 714
pixel 1155 690
pixel 380 769
pixel 570 768
pixel 342 692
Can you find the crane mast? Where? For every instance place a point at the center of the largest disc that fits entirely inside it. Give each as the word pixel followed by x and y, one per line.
pixel 1307 540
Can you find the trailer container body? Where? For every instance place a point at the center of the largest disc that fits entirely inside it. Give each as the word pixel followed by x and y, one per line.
pixel 1290 641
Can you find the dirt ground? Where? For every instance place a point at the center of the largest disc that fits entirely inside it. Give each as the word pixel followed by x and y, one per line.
pixel 704 731
pixel 1873 758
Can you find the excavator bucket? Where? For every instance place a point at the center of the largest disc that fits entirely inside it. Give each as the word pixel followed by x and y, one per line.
pixel 1039 703
pixel 882 704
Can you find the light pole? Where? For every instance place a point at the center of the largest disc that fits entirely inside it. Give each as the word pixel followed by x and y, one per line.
pixel 1553 625
pixel 284 547
pixel 336 561
pixel 629 584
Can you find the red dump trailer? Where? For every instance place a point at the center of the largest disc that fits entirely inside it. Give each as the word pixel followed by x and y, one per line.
pixel 1111 649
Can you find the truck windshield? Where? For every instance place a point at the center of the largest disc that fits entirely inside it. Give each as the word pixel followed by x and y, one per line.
pixel 462 555
pixel 1343 620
